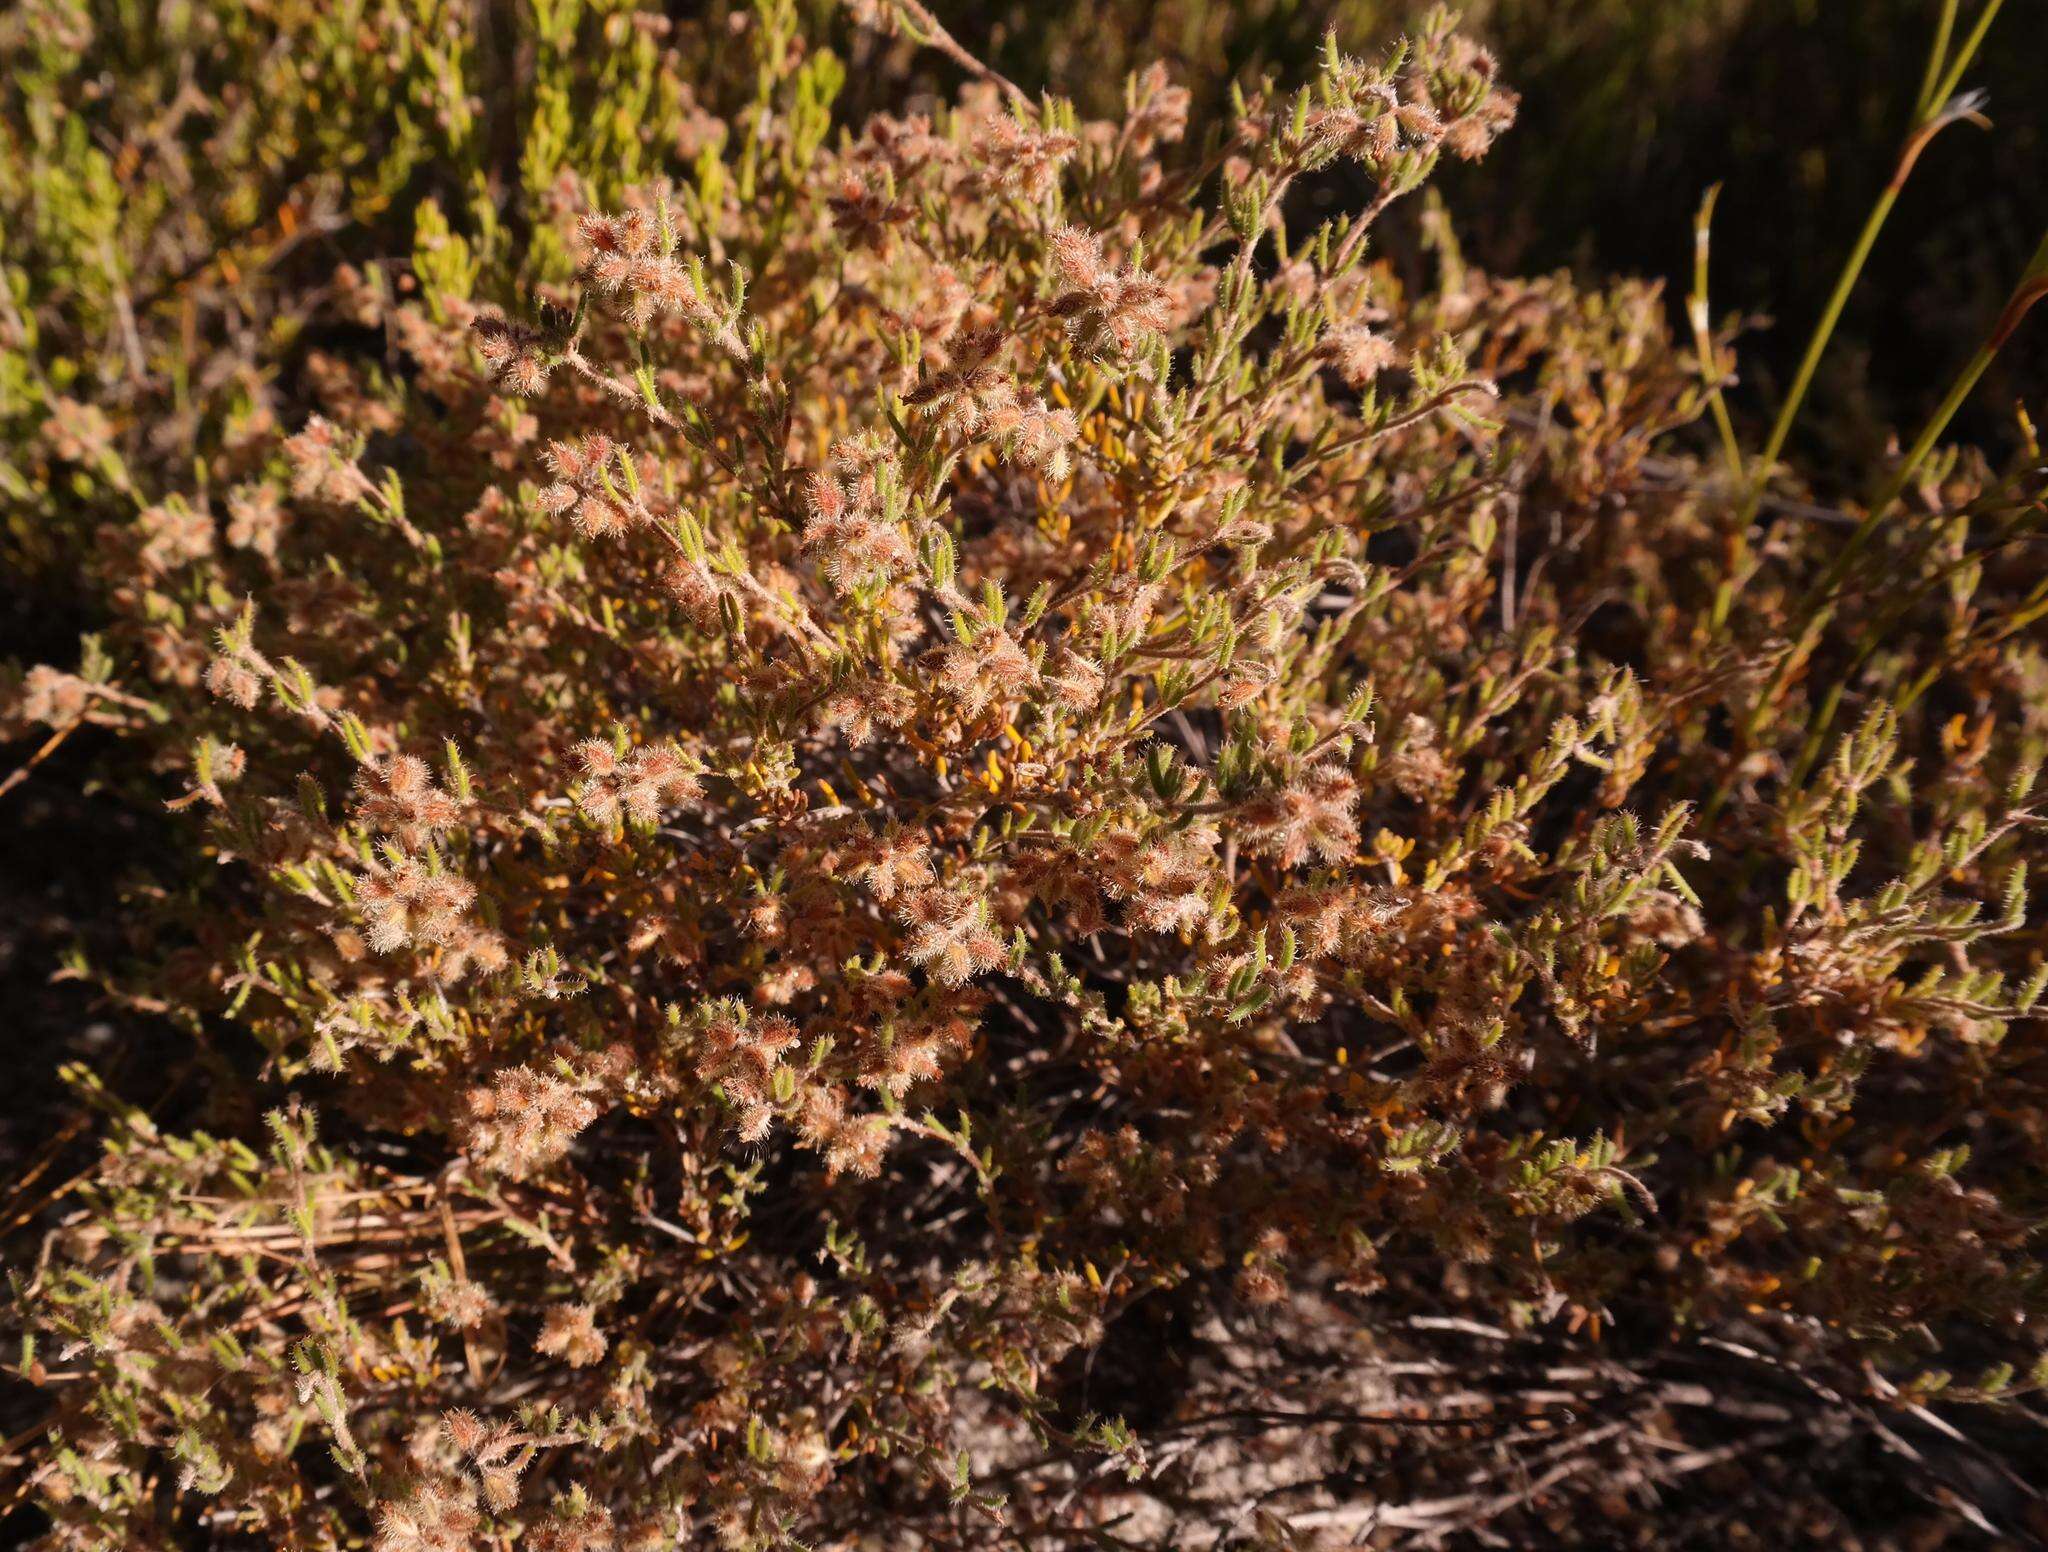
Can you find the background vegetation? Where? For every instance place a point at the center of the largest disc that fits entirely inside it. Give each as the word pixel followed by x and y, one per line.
pixel 1630 112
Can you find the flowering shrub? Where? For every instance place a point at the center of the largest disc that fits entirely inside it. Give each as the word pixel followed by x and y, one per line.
pixel 879 761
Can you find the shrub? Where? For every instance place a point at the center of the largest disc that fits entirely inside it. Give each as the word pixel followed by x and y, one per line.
pixel 879 829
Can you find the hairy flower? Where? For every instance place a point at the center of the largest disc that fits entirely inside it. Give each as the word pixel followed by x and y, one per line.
pixel 991 670
pixel 631 256
pixel 570 1333
pixel 1309 815
pixel 894 863
pixel 323 463
pixel 1358 353
pixel 435 1516
pixel 594 486
pixel 517 354
pixel 408 900
pixel 256 519
pixel 949 935
pixel 1022 160
pixel 639 787
pixel 524 1120
pixel 398 796
pixel 865 212
pixel 1108 311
